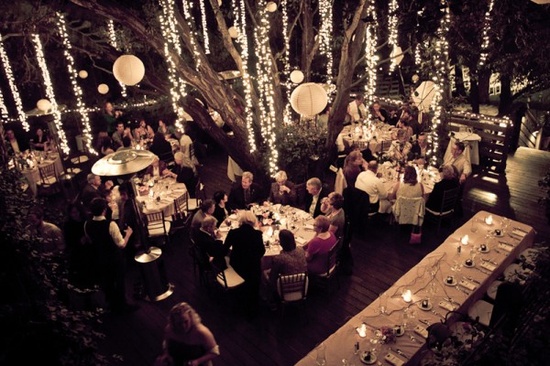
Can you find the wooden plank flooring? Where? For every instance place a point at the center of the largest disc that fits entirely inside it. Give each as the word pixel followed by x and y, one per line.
pixel 381 257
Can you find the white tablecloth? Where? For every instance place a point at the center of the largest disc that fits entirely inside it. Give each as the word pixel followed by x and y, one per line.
pixel 165 191
pixel 33 175
pixel 430 273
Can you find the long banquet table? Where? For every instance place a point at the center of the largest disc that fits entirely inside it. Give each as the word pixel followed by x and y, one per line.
pixel 427 281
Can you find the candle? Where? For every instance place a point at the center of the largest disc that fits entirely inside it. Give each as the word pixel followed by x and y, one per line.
pixel 464 240
pixel 407 296
pixel 489 220
pixel 362 330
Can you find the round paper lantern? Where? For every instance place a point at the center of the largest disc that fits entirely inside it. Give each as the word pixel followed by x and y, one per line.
pixel 233 32
pixel 128 69
pixel 296 76
pixel 271 6
pixel 43 105
pixel 103 88
pixel 415 78
pixel 309 99
pixel 83 74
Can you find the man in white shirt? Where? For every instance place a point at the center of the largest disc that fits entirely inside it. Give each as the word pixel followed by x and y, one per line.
pixel 356 109
pixel 459 161
pixel 368 182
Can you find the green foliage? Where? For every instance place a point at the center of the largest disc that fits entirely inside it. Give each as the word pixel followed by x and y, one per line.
pixel 300 146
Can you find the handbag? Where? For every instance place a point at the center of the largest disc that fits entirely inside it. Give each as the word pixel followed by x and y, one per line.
pixel 416 235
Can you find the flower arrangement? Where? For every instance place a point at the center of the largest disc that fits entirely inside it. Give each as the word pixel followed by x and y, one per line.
pixel 388 335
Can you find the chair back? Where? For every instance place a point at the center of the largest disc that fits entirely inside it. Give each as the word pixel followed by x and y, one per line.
pixel 228 278
pixel 448 203
pixel 48 174
pixel 156 224
pixel 332 258
pixel 292 287
pixel 409 210
pixel 181 203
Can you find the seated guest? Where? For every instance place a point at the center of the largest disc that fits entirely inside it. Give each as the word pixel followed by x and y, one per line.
pixel 356 111
pixel 41 141
pixel 419 122
pixel 419 147
pixel 369 182
pixel 448 181
pixel 127 139
pixel 167 130
pixel 317 248
pixel 315 194
pixel 209 242
pixel 105 144
pixel 221 211
pixel 282 191
pixel 400 148
pixel 185 172
pixel 244 193
pixel 143 131
pixel 51 235
pixel 353 165
pixel 459 161
pixel 157 168
pixel 247 249
pixel 161 148
pixel 379 113
pixel 94 188
pixel 206 210
pixel 14 145
pixel 118 135
pixel 333 208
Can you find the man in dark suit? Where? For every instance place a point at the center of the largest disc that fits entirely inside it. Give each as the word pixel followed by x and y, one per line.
pixel 94 188
pixel 210 244
pixel 244 193
pixel 314 196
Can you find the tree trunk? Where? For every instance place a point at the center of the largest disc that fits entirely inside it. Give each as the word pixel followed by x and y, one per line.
pixel 459 81
pixel 474 92
pixel 505 102
pixel 483 86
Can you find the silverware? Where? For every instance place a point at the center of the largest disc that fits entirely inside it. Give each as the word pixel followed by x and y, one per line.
pixel 473 280
pixel 401 353
pixel 462 290
pixel 520 229
pixel 424 321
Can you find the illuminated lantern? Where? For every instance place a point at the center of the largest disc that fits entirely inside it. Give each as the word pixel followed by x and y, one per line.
pixel 233 32
pixel 296 76
pixel 271 6
pixel 309 99
pixel 415 78
pixel 128 69
pixel 83 74
pixel 103 88
pixel 43 105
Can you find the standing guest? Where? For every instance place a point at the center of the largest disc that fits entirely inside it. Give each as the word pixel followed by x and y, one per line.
pixel 186 147
pixel 143 131
pixel 353 165
pixel 459 161
pixel 158 168
pixel 206 210
pixel 221 211
pixel 41 141
pixel 185 172
pixel 161 148
pixel 51 235
pixel 282 190
pixel 244 193
pixel 333 208
pixel 186 340
pixel 167 130
pixel 129 216
pixel 315 193
pixel 107 238
pixel 247 250
pixel 448 181
pixel 209 242
pixel 410 187
pixel 94 188
pixel 379 113
pixel 110 117
pixel 369 182
pixel 317 248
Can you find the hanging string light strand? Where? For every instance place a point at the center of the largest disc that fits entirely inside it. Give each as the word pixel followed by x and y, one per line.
pixel 14 90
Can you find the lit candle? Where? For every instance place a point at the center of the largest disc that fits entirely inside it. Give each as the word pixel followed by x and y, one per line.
pixel 362 330
pixel 489 220
pixel 464 240
pixel 407 296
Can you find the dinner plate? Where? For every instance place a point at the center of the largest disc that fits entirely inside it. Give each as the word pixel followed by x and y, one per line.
pixel 487 250
pixel 469 265
pixel 498 235
pixel 428 308
pixel 372 359
pixel 450 284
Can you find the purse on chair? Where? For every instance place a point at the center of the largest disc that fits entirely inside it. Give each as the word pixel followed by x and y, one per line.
pixel 416 235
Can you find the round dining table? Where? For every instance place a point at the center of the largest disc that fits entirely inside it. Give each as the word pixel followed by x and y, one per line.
pixel 158 194
pixel 41 159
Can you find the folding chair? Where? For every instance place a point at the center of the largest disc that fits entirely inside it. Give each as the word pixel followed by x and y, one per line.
pixel 49 178
pixel 181 216
pixel 447 208
pixel 193 204
pixel 292 289
pixel 331 267
pixel 158 226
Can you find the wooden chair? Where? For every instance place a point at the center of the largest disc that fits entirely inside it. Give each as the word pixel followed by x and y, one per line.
pixel 193 204
pixel 49 178
pixel 201 264
pixel 447 208
pixel 181 210
pixel 158 226
pixel 331 267
pixel 227 278
pixel 292 289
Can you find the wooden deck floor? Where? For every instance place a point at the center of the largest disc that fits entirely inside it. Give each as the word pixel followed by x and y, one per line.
pixel 381 257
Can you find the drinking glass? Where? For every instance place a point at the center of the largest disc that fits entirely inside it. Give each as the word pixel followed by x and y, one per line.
pixel 321 359
pixel 383 303
pixel 473 227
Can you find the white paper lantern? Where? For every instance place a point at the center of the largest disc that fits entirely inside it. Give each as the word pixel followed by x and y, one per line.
pixel 309 99
pixel 397 54
pixel 296 76
pixel 103 88
pixel 128 69
pixel 233 32
pixel 83 74
pixel 271 6
pixel 415 78
pixel 43 105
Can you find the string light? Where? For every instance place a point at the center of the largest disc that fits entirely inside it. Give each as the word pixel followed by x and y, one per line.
pixel 370 53
pixel 206 41
pixel 326 35
pixel 13 86
pixel 50 93
pixel 3 108
pixel 114 43
pixel 192 37
pixel 288 84
pixel 392 30
pixel 73 76
pixel 485 35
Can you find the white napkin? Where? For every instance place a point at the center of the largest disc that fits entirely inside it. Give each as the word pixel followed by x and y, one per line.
pixel 519 233
pixel 300 240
